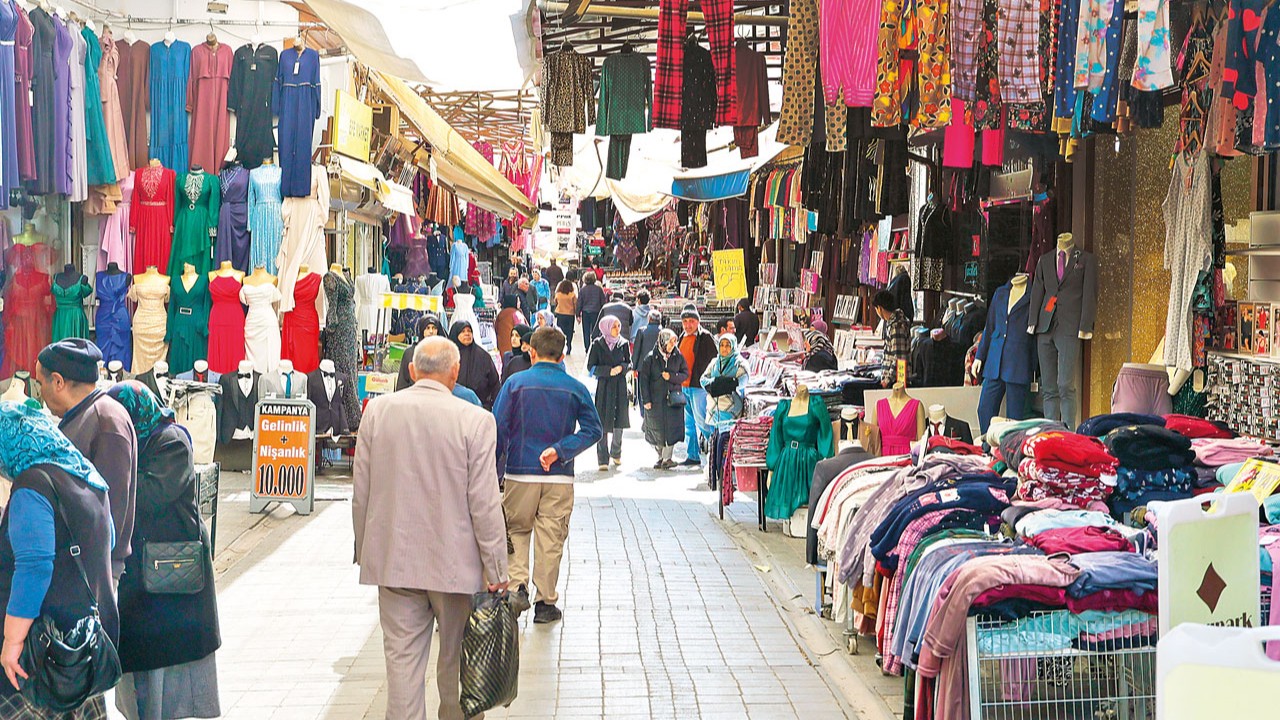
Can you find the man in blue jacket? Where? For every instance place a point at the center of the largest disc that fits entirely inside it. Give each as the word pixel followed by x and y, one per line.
pixel 537 412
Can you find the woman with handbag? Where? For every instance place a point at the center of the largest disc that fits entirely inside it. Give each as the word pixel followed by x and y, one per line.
pixel 724 379
pixel 168 611
pixel 55 569
pixel 659 381
pixel 608 362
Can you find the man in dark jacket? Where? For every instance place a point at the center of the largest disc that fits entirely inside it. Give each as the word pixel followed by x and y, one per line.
pixel 620 310
pixel 646 340
pixel 510 286
pixel 591 300
pixel 746 324
pixel 554 274
pixel 699 349
pixel 527 299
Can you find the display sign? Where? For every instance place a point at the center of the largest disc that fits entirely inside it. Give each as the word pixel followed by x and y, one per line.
pixel 730 272
pixel 1208 562
pixel 284 440
pixel 411 301
pixel 352 126
pixel 1257 477
pixel 809 281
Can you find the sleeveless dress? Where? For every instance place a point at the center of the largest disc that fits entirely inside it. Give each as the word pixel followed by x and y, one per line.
pixel 300 337
pixel 897 433
pixel 69 320
pixel 341 340
pixel 796 444
pixel 112 320
pixel 188 331
pixel 28 309
pixel 226 325
pixel 261 328
pixel 149 322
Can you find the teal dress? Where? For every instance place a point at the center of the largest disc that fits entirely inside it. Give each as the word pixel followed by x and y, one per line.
pixel 102 170
pixel 796 444
pixel 188 331
pixel 196 202
pixel 69 320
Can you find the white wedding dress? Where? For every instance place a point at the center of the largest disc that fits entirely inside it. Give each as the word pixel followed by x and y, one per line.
pixel 463 304
pixel 261 327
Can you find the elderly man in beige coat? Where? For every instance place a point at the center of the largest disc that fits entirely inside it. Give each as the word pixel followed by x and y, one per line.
pixel 428 522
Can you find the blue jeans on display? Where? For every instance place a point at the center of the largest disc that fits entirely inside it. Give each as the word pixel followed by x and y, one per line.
pixel 695 421
pixel 994 391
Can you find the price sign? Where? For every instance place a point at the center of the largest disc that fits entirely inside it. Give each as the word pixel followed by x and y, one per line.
pixel 284 439
pixel 730 271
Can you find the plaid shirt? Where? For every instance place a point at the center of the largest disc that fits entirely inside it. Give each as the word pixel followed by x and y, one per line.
pixel 897 346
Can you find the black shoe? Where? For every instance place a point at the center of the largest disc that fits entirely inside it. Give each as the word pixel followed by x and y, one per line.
pixel 692 463
pixel 520 600
pixel 544 613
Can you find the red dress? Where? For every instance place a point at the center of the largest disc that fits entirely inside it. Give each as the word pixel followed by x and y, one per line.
pixel 226 325
pixel 300 336
pixel 151 217
pixel 28 307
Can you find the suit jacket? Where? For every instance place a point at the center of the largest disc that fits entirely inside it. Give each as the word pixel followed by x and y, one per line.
pixel 957 429
pixel 330 413
pixel 234 409
pixel 1076 305
pixel 428 525
pixel 823 473
pixel 148 378
pixel 1007 350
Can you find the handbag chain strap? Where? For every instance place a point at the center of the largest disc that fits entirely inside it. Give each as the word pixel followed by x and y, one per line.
pixel 74 548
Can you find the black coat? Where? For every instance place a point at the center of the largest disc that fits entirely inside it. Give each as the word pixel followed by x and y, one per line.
pixel 234 409
pixel 253 73
pixel 162 630
pixel 663 424
pixel 746 326
pixel 645 342
pixel 611 390
pixel 512 364
pixel 330 414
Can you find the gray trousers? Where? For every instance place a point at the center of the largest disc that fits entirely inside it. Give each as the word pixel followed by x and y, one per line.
pixel 1059 352
pixel 610 445
pixel 407 617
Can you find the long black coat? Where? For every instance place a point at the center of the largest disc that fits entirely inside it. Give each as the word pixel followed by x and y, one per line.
pixel 158 631
pixel 663 424
pixel 611 390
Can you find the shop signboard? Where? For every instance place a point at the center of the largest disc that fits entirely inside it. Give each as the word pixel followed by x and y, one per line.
pixel 284 440
pixel 1208 561
pixel 352 126
pixel 730 272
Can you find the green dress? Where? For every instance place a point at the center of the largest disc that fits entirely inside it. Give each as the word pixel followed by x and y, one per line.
pixel 188 329
pixel 796 444
pixel 195 220
pixel 69 320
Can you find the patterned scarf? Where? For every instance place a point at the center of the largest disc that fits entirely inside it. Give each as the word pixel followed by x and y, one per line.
pixel 144 409
pixel 817 341
pixel 28 438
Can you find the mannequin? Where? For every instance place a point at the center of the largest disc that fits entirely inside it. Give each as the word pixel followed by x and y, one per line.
pixel 239 398
pixel 260 276
pixel 195 409
pixel 1061 315
pixel 901 420
pixel 150 320
pixel 226 269
pixel 189 276
pixel 1006 355
pixel 940 423
pixel 113 268
pixel 29 236
pixel 115 371
pixel 801 436
pixel 325 387
pixel 286 382
pixel 16 392
pixel 161 374
pixel 69 276
pixel 336 269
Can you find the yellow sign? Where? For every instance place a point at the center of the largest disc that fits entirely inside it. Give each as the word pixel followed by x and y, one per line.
pixel 1257 477
pixel 411 301
pixel 352 126
pixel 730 268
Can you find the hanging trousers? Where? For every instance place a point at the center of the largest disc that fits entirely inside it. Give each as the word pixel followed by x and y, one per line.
pixel 799 74
pixel 669 77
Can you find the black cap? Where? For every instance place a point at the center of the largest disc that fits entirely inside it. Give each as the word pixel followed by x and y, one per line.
pixel 687 314
pixel 75 359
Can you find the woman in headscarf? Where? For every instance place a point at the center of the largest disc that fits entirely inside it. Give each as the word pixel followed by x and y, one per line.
pixel 508 317
pixel 518 358
pixel 660 378
pixel 818 352
pixel 167 640
pixel 608 361
pixel 428 326
pixel 56 494
pixel 724 379
pixel 477 370
pixel 544 318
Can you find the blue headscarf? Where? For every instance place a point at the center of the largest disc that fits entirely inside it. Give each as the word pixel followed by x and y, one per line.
pixel 726 366
pixel 28 438
pixel 144 408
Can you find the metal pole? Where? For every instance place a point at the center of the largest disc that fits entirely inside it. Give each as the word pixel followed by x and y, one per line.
pixel 550 7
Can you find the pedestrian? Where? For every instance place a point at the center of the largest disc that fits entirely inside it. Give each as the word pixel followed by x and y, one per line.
pixel 591 300
pixel 699 349
pixel 545 318
pixel 508 317
pixel 724 380
pixel 619 309
pixel 167 640
pixel 478 371
pixel 897 339
pixel 545 418
pixel 566 305
pixel 509 285
pixel 543 288
pixel 428 326
pixel 67 372
pixel 725 325
pixel 746 324
pixel 517 359
pixel 56 493
pixel 428 534
pixel 528 297
pixel 609 361
pixel 639 315
pixel 819 354
pixel 554 274
pixel 660 384
pixel 597 270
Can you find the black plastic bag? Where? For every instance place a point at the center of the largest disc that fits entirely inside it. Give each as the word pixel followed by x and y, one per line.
pixel 490 654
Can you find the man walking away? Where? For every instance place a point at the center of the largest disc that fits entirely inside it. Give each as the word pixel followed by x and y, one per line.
pixel 554 274
pixel 537 412
pixel 620 310
pixel 746 324
pixel 699 349
pixel 429 533
pixel 640 315
pixel 591 301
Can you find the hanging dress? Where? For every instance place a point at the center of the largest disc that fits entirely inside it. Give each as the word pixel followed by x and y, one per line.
pixel 114 244
pixel 300 336
pixel 1188 250
pixel 111 323
pixel 369 290
pixel 266 227
pixel 261 327
pixel 79 122
pixel 233 219
pixel 151 217
pixel 226 324
pixel 64 169
pixel 253 73
pixel 43 109
pixel 102 166
pixel 897 432
pixel 188 331
pixel 796 444
pixel 69 319
pixel 112 115
pixel 24 70
pixel 195 220
pixel 149 322
pixel 207 98
pixel 170 69
pixel 135 98
pixel 303 244
pixel 340 341
pixel 8 105
pixel 296 99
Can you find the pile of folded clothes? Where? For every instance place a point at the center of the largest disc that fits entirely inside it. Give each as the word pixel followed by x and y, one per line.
pixel 1100 425
pixel 1156 463
pixel 1006 439
pixel 1213 454
pixel 1073 468
pixel 1194 427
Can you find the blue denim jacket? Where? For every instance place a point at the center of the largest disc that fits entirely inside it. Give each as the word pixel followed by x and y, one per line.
pixel 539 409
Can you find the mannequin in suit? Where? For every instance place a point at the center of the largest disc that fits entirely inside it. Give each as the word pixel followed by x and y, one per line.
pixel 157 381
pixel 239 399
pixel 1006 356
pixel 1064 303
pixel 324 388
pixel 285 382
pixel 938 422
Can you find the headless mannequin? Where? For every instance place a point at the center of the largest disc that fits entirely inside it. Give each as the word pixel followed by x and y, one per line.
pixel 260 276
pixel 200 368
pixel 330 383
pixel 1017 288
pixel 800 405
pixel 898 400
pixel 29 236
pixel 151 276
pixel 69 276
pixel 115 371
pixel 161 371
pixel 16 392
pixel 1066 243
pixel 113 269
pixel 336 269
pixel 189 277
pixel 225 270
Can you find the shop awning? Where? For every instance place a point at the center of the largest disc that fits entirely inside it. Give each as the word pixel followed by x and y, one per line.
pixel 474 179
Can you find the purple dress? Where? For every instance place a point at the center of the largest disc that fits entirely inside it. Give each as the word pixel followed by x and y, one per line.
pixel 62 47
pixel 296 99
pixel 233 219
pixel 8 104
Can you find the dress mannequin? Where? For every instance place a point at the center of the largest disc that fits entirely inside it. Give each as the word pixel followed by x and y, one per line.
pixel 226 270
pixel 150 321
pixel 16 392
pixel 1062 312
pixel 1006 353
pixel 261 324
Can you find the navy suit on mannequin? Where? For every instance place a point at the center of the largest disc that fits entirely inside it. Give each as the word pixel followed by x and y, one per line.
pixel 1062 314
pixel 1008 358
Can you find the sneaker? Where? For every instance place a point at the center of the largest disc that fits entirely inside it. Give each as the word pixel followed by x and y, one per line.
pixel 604 467
pixel 544 613
pixel 617 461
pixel 520 600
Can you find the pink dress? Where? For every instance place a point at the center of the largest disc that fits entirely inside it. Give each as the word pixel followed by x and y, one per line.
pixel 207 100
pixel 897 433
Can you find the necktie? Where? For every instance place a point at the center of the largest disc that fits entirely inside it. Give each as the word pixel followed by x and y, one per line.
pixel 288 385
pixel 1062 263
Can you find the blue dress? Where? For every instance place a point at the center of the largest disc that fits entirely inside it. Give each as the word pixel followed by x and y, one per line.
pixel 266 225
pixel 459 262
pixel 296 99
pixel 170 67
pixel 233 220
pixel 8 104
pixel 114 334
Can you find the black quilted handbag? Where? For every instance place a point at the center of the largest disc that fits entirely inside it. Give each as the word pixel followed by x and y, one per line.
pixel 490 654
pixel 173 568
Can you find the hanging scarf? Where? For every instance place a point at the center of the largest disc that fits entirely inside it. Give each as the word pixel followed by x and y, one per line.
pixel 144 408
pixel 606 325
pixel 817 342
pixel 28 438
